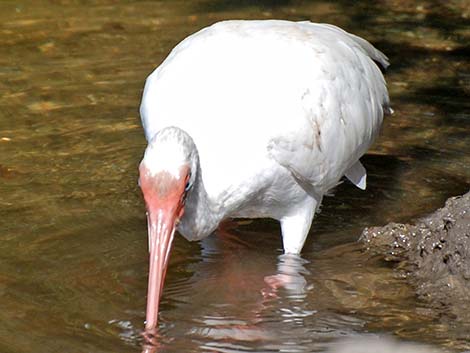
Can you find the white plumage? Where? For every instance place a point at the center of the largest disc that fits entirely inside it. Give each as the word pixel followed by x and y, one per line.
pixel 267 116
pixel 278 110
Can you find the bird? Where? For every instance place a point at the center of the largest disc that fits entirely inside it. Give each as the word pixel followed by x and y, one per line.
pixel 254 119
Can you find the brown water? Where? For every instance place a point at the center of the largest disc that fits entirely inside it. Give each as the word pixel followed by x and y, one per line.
pixel 73 248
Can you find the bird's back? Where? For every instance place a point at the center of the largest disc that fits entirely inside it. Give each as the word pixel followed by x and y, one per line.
pixel 308 96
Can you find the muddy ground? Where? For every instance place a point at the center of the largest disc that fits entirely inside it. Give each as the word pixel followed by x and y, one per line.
pixel 433 254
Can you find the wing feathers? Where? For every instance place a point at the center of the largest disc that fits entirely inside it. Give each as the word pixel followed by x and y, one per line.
pixel 357 175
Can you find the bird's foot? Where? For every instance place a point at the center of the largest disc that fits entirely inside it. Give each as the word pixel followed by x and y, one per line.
pixel 290 277
pixel 291 283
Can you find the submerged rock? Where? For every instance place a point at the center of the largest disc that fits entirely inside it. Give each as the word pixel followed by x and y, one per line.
pixel 433 253
pixel 378 344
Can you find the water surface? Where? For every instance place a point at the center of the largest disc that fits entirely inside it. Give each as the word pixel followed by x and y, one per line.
pixel 73 249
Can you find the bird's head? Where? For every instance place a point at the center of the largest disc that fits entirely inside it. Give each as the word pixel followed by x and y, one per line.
pixel 167 173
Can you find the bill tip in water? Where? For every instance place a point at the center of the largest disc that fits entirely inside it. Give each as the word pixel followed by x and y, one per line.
pixel 151 341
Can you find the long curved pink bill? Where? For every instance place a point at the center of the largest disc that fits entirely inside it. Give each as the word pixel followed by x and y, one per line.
pixel 161 230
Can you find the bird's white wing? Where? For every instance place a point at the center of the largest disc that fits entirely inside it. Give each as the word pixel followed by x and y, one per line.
pixel 309 92
pixel 357 175
pixel 343 111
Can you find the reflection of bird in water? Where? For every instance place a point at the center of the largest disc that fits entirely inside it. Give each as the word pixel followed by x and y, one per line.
pixel 228 297
pixel 254 119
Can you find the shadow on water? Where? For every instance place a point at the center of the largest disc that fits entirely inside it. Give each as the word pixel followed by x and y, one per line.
pixel 222 6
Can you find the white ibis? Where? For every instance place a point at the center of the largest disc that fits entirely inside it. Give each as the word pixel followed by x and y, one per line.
pixel 254 119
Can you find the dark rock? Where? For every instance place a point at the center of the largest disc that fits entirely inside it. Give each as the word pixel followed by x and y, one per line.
pixel 433 254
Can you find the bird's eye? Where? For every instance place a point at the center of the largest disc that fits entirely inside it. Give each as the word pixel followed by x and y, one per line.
pixel 188 183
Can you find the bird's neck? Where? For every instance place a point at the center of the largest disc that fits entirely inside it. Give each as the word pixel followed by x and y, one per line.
pixel 202 215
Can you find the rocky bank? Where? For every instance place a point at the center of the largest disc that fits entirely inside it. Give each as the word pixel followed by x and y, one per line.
pixel 433 254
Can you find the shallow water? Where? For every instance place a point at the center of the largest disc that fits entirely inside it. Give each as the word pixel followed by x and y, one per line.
pixel 73 248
